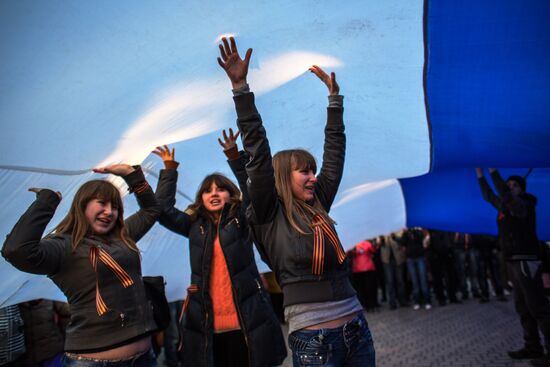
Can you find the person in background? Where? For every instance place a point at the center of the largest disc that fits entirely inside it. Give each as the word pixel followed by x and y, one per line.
pixel 467 263
pixel 12 337
pixel 45 324
pixel 516 220
pixel 488 264
pixel 393 258
pixel 364 274
pixel 416 265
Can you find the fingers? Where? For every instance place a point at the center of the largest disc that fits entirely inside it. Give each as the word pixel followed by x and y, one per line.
pixel 227 49
pixel 222 53
pixel 233 45
pixel 237 134
pixel 173 154
pixel 247 57
pixel 225 135
pixel 100 170
pixel 220 62
pixel 221 143
pixel 35 189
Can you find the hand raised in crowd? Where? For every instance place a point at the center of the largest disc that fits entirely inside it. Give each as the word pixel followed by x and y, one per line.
pixel 229 144
pixel 120 170
pixel 230 61
pixel 38 189
pixel 165 153
pixel 229 141
pixel 330 81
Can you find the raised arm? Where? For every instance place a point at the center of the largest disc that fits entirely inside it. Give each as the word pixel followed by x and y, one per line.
pixel 172 218
pixel 334 150
pixel 500 185
pixel 140 222
pixel 237 162
pixel 259 169
pixel 486 190
pixel 24 247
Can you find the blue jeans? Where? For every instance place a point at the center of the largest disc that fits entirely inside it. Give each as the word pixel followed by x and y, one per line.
pixel 349 345
pixel 146 359
pixel 419 279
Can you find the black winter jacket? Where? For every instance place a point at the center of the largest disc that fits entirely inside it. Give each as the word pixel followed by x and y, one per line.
pixel 290 253
pixel 44 323
pixel 257 320
pixel 129 313
pixel 516 220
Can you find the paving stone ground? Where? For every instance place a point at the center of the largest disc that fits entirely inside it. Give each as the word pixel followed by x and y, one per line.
pixel 457 335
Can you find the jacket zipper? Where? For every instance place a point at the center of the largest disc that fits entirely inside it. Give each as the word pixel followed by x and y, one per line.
pixel 204 290
pixel 235 300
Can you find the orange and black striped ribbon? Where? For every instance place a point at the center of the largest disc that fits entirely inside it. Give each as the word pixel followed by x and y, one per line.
pixel 125 279
pixel 321 229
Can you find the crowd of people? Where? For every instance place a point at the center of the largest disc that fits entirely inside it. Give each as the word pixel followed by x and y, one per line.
pixel 413 266
pixel 281 205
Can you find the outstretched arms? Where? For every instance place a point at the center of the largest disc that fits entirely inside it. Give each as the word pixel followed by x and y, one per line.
pixel 171 217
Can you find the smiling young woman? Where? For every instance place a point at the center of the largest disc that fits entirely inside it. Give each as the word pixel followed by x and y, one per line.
pixel 227 319
pixel 290 222
pixel 93 258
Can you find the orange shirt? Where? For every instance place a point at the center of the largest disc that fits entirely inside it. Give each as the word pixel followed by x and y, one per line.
pixel 225 313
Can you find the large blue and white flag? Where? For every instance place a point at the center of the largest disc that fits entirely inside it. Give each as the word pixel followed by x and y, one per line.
pixel 432 89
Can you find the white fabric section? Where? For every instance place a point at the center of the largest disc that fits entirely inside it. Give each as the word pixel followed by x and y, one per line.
pixel 86 83
pixel 368 210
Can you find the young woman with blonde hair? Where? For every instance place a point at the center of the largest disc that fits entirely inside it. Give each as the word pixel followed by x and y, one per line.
pixel 290 221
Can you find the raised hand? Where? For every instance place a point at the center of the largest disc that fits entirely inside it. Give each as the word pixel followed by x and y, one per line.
pixel 165 153
pixel 229 142
pixel 479 172
pixel 116 169
pixel 230 61
pixel 330 81
pixel 38 189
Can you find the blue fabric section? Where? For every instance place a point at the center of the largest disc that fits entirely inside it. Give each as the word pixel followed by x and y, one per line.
pixel 451 200
pixel 488 83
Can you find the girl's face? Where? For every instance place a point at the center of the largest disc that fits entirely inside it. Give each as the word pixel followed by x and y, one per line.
pixel 101 215
pixel 214 198
pixel 303 184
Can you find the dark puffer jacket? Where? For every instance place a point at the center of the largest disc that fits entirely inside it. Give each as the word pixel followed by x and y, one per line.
pixel 258 321
pixel 44 323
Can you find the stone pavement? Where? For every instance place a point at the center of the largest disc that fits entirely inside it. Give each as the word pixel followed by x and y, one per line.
pixel 468 334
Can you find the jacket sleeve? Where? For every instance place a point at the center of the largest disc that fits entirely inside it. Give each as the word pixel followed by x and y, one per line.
pixel 24 247
pixel 261 180
pixel 488 193
pixel 334 153
pixel 140 222
pixel 171 218
pixel 239 171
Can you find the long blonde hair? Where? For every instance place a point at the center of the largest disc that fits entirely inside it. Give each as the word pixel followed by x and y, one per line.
pixel 76 223
pixel 298 213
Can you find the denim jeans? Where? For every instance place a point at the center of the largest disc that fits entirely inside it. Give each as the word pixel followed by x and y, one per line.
pixel 419 279
pixel 395 278
pixel 147 359
pixel 349 345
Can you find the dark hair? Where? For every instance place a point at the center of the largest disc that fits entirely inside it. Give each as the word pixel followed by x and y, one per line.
pixel 520 180
pixel 76 223
pixel 197 208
